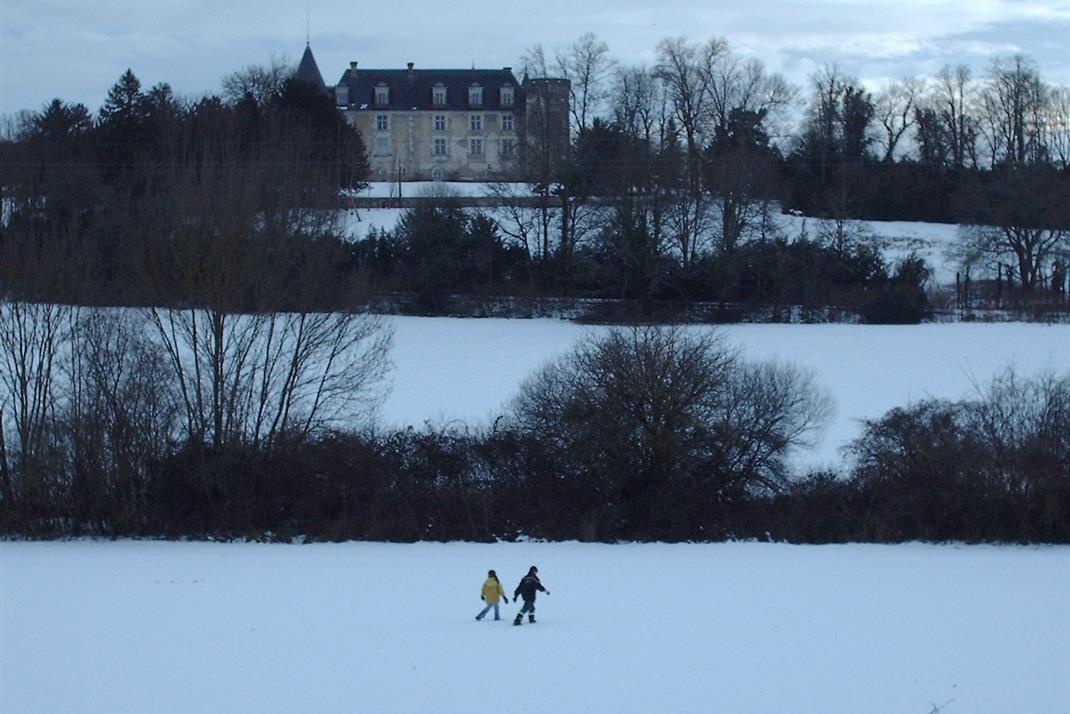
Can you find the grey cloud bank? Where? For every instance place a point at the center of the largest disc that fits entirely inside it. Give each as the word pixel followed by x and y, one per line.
pixel 76 50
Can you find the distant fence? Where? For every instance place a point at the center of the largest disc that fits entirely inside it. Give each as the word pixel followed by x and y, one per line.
pixel 606 310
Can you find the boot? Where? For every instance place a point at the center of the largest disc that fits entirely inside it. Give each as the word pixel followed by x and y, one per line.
pixel 519 619
pixel 531 618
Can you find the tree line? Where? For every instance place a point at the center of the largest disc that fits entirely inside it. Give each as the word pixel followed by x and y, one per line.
pixel 641 434
pixel 668 190
pixel 697 149
pixel 156 198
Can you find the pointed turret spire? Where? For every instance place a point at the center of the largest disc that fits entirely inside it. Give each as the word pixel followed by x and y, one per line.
pixel 309 71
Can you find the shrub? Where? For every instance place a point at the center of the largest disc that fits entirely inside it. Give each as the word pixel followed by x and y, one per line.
pixel 653 428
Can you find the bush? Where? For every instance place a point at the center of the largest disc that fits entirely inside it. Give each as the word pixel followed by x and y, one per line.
pixel 994 468
pixel 903 300
pixel 653 429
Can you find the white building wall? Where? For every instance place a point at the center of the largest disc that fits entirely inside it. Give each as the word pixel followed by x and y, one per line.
pixel 405 149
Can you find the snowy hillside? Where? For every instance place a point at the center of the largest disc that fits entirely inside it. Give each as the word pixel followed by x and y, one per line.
pixel 454 369
pixel 175 628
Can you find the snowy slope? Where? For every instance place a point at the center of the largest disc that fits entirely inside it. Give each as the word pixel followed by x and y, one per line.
pixel 464 370
pixel 175 628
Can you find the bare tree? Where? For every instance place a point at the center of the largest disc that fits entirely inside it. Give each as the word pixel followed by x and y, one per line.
pixel 587 65
pixel 650 415
pixel 738 162
pixel 895 105
pixel 547 157
pixel 516 219
pixel 1056 127
pixel 955 97
pixel 740 84
pixel 119 416
pixel 32 336
pixel 235 268
pixel 259 81
pixel 540 162
pixel 1018 216
pixel 741 181
pixel 1013 103
pixel 687 70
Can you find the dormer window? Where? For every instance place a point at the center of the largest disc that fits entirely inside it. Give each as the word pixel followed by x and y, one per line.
pixel 382 95
pixel 507 96
pixel 475 96
pixel 438 95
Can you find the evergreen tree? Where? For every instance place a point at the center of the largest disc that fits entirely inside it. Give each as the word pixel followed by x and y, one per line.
pixel 125 108
pixel 60 121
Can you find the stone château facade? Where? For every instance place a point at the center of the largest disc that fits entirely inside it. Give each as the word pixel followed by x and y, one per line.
pixel 451 124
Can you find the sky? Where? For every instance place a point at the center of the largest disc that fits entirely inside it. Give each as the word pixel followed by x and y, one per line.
pixel 76 49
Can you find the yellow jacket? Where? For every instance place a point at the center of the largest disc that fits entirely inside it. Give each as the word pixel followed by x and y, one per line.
pixel 492 590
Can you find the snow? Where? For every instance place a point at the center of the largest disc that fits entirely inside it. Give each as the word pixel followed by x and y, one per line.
pixel 933 242
pixel 389 189
pixel 357 223
pixel 449 370
pixel 133 627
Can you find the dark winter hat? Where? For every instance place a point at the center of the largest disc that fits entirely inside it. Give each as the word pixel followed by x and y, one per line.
pixel 491 574
pixel 532 570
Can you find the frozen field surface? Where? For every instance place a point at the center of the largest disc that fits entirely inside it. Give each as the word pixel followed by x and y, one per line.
pixel 174 628
pixel 466 369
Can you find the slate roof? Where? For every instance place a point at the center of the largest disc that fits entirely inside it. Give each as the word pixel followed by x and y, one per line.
pixel 308 71
pixel 411 89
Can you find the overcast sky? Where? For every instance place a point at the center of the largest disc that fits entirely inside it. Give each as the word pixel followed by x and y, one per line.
pixel 76 49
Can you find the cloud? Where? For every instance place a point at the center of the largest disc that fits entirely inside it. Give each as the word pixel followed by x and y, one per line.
pixel 76 49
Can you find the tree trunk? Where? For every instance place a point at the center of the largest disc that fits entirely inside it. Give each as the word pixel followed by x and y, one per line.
pixel 5 473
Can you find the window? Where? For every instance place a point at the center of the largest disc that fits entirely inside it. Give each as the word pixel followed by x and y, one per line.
pixel 508 149
pixel 475 147
pixel 507 96
pixel 438 95
pixel 382 145
pixel 440 122
pixel 475 96
pixel 440 147
pixel 382 122
pixel 507 122
pixel 475 122
pixel 382 95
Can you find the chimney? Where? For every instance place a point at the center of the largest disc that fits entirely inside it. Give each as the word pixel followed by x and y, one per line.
pixel 352 68
pixel 507 69
pixel 411 65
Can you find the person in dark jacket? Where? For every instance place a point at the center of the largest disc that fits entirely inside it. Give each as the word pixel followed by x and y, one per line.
pixel 527 588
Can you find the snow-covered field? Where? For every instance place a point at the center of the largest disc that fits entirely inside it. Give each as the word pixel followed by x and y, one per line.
pixel 138 627
pixel 465 369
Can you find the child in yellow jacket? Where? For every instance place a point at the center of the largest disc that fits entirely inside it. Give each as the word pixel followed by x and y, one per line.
pixel 492 591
